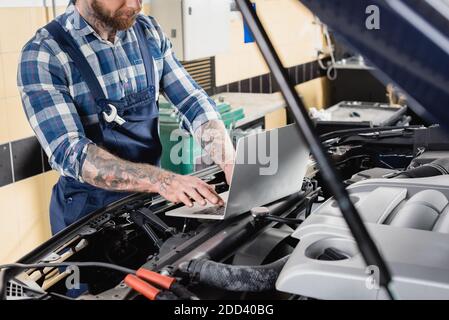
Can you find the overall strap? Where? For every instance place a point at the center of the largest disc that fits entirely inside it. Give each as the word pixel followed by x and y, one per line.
pixel 145 50
pixel 68 45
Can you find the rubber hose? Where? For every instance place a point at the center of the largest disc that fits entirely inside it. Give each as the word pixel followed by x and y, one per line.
pixel 435 168
pixel 235 278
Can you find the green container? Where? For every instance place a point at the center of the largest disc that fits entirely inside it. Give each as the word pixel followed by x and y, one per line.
pixel 180 152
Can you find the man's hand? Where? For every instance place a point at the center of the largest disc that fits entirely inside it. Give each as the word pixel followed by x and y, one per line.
pixel 177 188
pixel 227 169
pixel 104 170
pixel 215 140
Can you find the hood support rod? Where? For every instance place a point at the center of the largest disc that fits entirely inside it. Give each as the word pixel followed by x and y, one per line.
pixel 304 125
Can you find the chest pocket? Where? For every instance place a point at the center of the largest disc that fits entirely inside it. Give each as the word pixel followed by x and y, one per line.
pixel 141 106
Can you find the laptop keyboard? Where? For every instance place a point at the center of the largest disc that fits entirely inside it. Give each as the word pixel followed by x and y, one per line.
pixel 210 211
pixel 215 210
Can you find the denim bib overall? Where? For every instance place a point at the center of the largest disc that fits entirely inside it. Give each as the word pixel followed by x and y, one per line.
pixel 127 128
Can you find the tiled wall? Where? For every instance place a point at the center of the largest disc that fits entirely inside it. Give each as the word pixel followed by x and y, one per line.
pixel 25 179
pixel 23 218
pixel 265 83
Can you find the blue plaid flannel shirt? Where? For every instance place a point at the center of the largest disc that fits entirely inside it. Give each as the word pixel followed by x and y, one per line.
pixel 50 85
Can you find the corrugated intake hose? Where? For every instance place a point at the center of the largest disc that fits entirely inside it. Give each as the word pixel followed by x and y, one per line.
pixel 435 168
pixel 235 278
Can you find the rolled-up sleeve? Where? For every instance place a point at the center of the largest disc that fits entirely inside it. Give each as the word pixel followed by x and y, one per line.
pixel 50 109
pixel 192 102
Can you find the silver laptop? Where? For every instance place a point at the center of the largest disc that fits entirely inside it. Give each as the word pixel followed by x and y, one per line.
pixel 269 166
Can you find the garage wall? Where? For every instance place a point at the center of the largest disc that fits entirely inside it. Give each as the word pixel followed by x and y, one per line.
pixel 291 28
pixel 23 222
pixel 295 36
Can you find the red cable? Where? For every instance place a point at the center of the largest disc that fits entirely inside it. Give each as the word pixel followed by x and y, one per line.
pixel 142 287
pixel 156 278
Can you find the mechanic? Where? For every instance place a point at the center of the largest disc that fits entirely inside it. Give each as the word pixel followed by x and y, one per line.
pixel 89 84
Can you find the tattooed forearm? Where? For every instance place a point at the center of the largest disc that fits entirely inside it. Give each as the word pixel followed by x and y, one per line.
pixel 106 171
pixel 215 140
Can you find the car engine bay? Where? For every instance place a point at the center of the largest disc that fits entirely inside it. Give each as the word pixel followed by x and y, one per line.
pixel 296 248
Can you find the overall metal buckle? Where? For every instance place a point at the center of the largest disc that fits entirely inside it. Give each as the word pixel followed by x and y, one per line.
pixel 113 116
